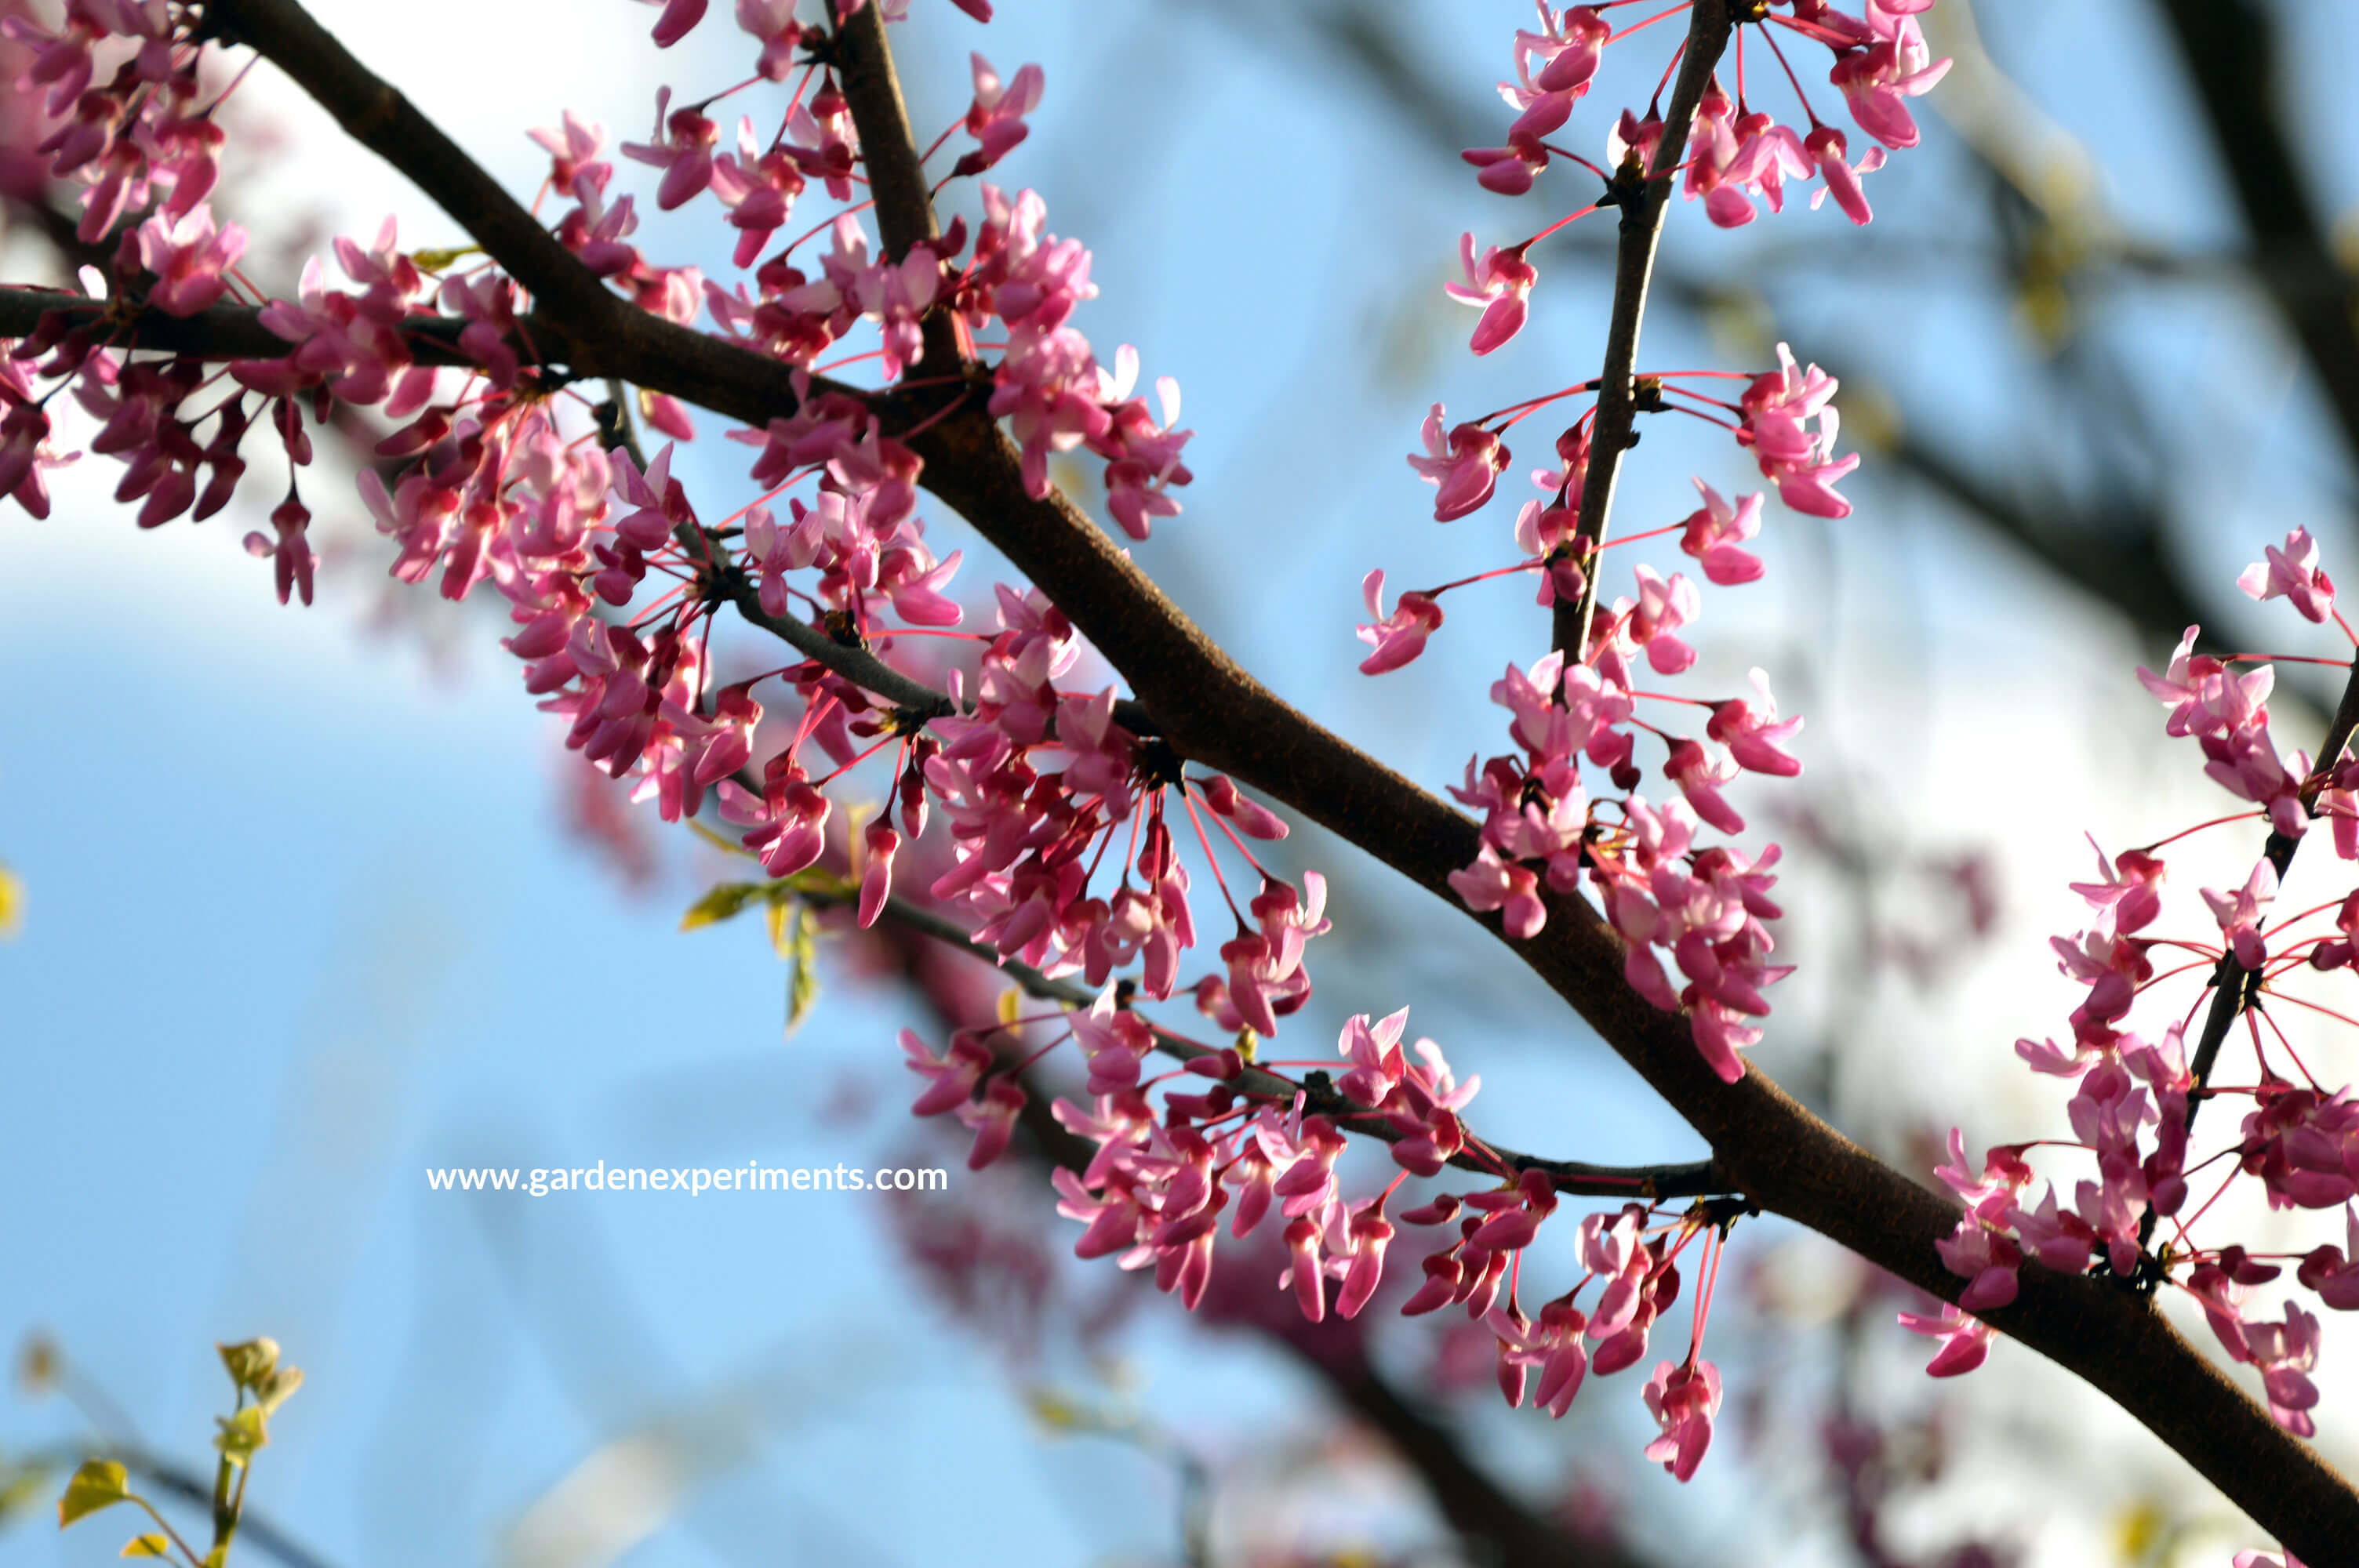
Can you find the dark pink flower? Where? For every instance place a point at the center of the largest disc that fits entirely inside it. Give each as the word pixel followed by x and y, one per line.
pixel 1400 637
pixel 1500 281
pixel 1462 463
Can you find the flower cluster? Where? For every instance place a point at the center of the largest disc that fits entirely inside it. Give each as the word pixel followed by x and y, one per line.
pixel 2136 1101
pixel 1229 1146
pixel 1545 827
pixel 1738 152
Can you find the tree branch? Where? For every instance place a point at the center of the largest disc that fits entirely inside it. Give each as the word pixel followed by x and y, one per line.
pixel 2236 989
pixel 1611 434
pixel 1577 1178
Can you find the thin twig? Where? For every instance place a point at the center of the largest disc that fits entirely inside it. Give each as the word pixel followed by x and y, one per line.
pixel 1611 434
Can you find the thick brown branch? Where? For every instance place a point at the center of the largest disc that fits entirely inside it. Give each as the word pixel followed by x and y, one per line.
pixel 1610 433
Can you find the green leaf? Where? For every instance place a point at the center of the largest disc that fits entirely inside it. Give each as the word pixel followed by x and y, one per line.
pixel 19 1490
pixel 786 919
pixel 272 1390
pixel 99 1484
pixel 242 1434
pixel 802 973
pixel 151 1544
pixel 726 846
pixel 436 260
pixel 725 902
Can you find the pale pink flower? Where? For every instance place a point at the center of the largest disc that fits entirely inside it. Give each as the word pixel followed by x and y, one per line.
pixel 2240 914
pixel 1753 733
pixel 2293 572
pixel 188 257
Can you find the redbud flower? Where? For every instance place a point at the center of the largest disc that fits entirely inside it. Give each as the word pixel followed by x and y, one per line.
pixel 2239 913
pixel 1753 733
pixel 876 880
pixel 949 1078
pixel 991 1119
pixel 679 17
pixel 1490 883
pixel 1400 637
pixel 1501 282
pixel 1777 408
pixel 2293 572
pixel 187 259
pixel 1828 152
pixel 995 118
pixel 685 153
pixel 1965 1340
pixel 1684 1397
pixel 1876 81
pixel 1716 530
pixel 773 22
pixel 1463 465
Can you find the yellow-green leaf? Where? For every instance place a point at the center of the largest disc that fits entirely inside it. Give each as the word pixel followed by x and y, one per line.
pixel 17 1492
pixel 151 1544
pixel 726 846
pixel 12 902
pixel 436 260
pixel 250 1361
pixel 802 974
pixel 99 1484
pixel 725 902
pixel 242 1434
pixel 272 1390
pixel 786 919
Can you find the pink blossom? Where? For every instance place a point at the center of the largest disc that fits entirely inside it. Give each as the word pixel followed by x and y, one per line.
pixel 189 257
pixel 1655 621
pixel 773 23
pixel 1878 80
pixel 2240 914
pixel 1753 733
pixel 684 151
pixel 995 118
pixel 949 1078
pixel 1716 530
pixel 1462 463
pixel 1828 152
pixel 1683 1398
pixel 2134 894
pixel 680 16
pixel 1490 883
pixel 1777 408
pixel 1400 637
pixel 2293 572
pixel 1501 283
pixel 1965 1340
